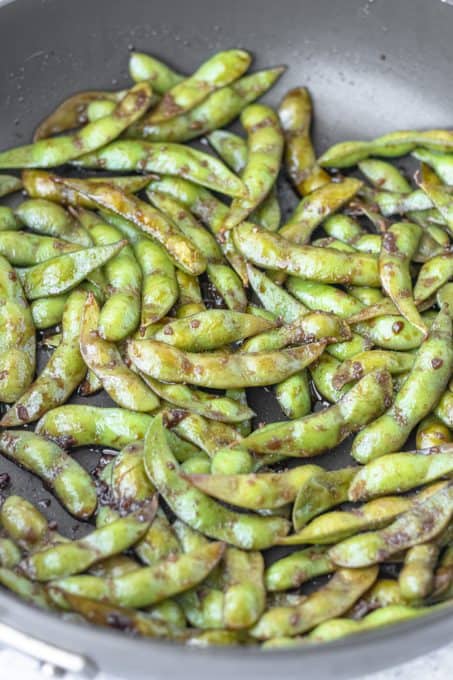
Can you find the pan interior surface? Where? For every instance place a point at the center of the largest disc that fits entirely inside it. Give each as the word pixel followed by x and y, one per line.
pixel 371 67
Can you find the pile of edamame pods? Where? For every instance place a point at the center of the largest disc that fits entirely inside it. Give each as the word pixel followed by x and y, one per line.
pixel 170 281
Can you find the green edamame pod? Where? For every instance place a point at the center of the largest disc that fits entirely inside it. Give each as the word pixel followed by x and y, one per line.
pixel 294 396
pixel 264 152
pixel 62 374
pixel 134 155
pixel 70 482
pixel 211 406
pixel 120 314
pixel 366 362
pixel 98 109
pixel 146 218
pixel 273 297
pixel 148 585
pixel 220 70
pixel 432 432
pixel 295 112
pixel 438 194
pixel 274 252
pixel 434 273
pixel 47 153
pixel 207 435
pixel 302 438
pixel 17 336
pixel 423 522
pixel 26 526
pixel 45 217
pixel 31 592
pixel 218 110
pixel 218 369
pixel 344 588
pixel 321 492
pixel 335 526
pixel 444 409
pixel 323 373
pixel 211 329
pixel 384 176
pixel 159 285
pixel 245 594
pixel 256 491
pixel 443 578
pixel 318 205
pixel 198 510
pixel 76 556
pixel 394 144
pixel 295 569
pixel 48 311
pixel 62 273
pixel 10 555
pixel 416 578
pixel 441 163
pixel 233 150
pixel 207 208
pixel 102 357
pixel 399 472
pixel 8 220
pixel 112 616
pixel 72 112
pixel 40 184
pixel 399 245
pixel 23 249
pixel 9 184
pixel 416 398
pixel 160 76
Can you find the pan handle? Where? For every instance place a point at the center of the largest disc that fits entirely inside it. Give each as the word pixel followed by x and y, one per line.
pixel 54 660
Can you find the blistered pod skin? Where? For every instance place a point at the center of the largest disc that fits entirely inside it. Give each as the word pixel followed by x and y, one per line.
pixel 63 373
pixel 17 336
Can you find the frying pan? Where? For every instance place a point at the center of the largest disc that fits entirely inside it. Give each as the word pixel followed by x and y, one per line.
pixel 371 67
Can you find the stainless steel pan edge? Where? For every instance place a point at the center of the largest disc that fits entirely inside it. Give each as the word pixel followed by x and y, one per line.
pixel 371 66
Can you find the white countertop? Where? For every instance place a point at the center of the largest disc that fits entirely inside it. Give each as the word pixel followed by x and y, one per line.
pixel 435 666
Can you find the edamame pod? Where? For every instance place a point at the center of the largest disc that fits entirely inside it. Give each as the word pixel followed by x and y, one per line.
pixel 120 314
pixel 76 556
pixel 399 245
pixel 416 578
pixel 218 110
pixel 341 592
pixel 434 273
pixel 69 481
pixel 321 492
pixel 273 297
pixel 148 585
pixel 295 569
pixel 366 362
pixel 384 176
pixel 44 217
pixel 245 593
pixel 8 220
pixel 62 273
pixel 295 112
pixel 416 398
pixel 318 205
pixel 220 70
pixel 256 491
pixel 264 151
pixel 302 438
pixel 198 510
pixel 146 218
pixel 102 357
pixel 218 369
pixel 211 329
pixel 31 592
pixel 399 472
pixel 9 184
pixel 441 163
pixel 432 432
pixel 17 336
pixel 10 555
pixel 62 374
pixel 72 112
pixel 134 155
pixel 423 522
pixel 145 67
pixel 26 526
pixel 45 185
pixel 48 311
pixel 274 252
pixel 23 249
pixel 59 150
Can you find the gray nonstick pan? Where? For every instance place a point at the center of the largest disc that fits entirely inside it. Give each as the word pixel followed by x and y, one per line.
pixel 372 67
